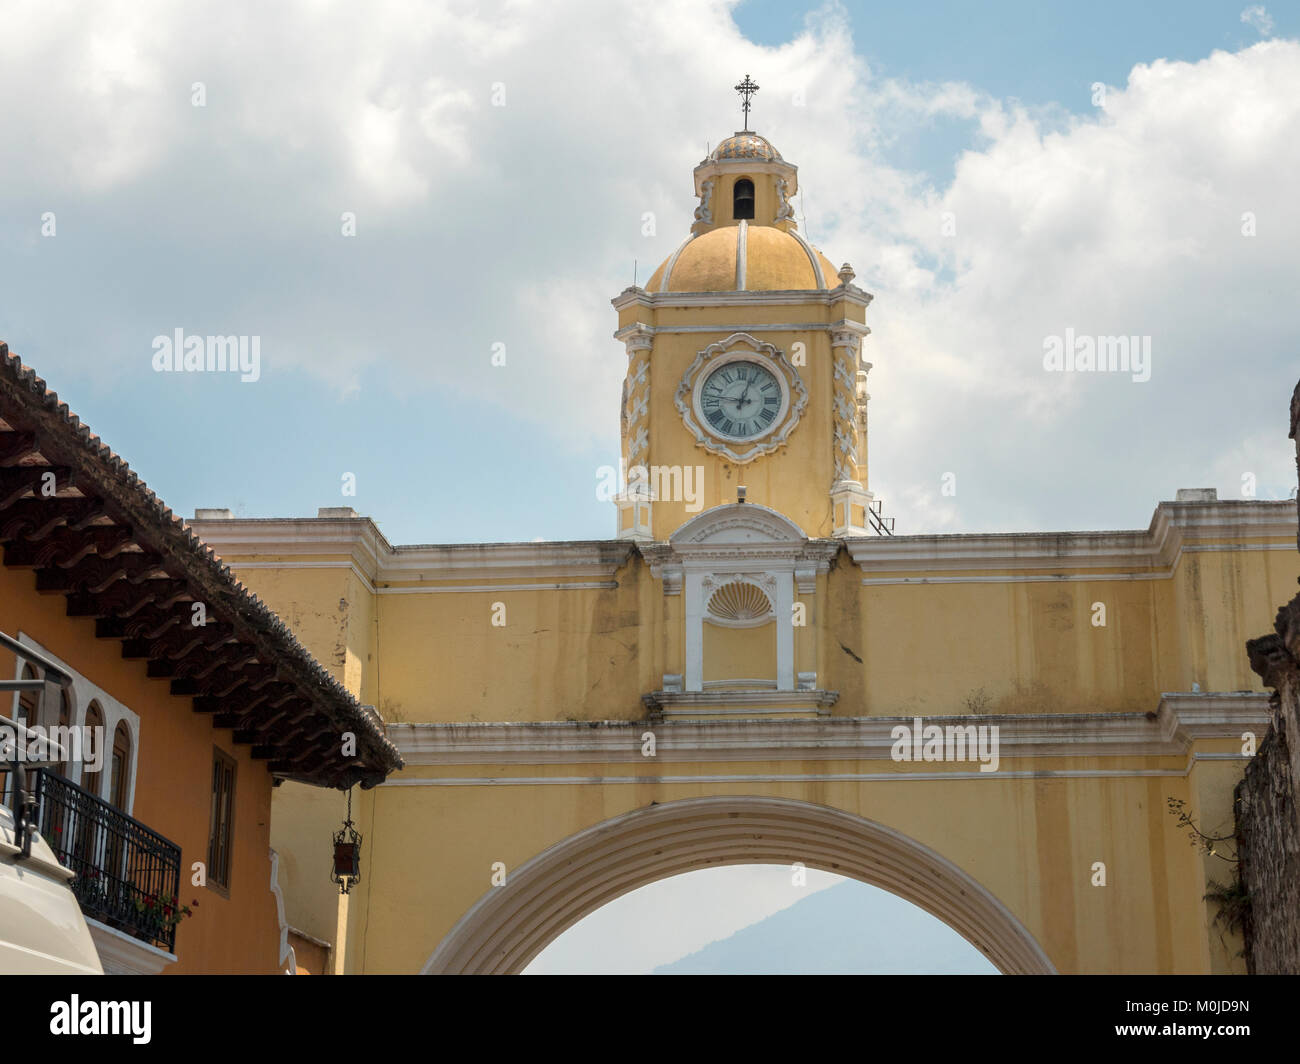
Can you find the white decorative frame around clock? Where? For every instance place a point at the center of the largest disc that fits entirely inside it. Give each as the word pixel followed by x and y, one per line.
pixel 741 347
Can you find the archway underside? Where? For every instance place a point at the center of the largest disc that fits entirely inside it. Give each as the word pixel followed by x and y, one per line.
pixel 511 924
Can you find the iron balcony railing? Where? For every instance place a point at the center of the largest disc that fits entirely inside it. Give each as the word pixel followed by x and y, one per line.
pixel 884 526
pixel 128 876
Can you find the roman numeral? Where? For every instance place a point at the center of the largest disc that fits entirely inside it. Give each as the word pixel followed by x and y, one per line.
pixel 772 400
pixel 715 418
pixel 711 402
pixel 727 425
pixel 767 416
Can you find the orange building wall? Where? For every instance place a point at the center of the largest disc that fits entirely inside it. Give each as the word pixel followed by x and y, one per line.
pixel 173 784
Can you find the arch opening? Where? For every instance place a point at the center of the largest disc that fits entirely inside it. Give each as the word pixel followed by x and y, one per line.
pixel 784 919
pixel 742 200
pixel 511 924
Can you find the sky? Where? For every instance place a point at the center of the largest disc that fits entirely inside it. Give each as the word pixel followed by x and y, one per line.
pixel 383 196
pixel 818 923
pixel 994 177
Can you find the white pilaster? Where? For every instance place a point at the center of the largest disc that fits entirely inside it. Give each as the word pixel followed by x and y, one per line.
pixel 694 580
pixel 784 606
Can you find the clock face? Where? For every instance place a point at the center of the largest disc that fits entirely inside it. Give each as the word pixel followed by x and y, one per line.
pixel 741 400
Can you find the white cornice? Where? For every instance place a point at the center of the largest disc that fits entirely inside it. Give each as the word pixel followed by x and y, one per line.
pixel 1152 554
pixel 682 704
pixel 1181 720
pixel 591 559
pixel 547 565
pixel 1176 528
pixel 777 297
pixel 857 328
pixel 358 536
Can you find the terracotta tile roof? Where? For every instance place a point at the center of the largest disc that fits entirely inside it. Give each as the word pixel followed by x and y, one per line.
pixel 59 436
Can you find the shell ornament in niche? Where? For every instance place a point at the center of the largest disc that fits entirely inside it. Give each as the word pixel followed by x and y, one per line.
pixel 739 603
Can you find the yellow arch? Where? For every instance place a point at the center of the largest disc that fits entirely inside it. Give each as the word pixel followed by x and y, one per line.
pixel 507 927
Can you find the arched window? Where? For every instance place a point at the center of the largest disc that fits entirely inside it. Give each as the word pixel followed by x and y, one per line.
pixel 742 199
pixel 24 713
pixel 28 700
pixel 90 777
pixel 65 722
pixel 121 766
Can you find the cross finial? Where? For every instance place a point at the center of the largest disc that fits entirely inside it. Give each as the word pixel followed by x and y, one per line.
pixel 746 89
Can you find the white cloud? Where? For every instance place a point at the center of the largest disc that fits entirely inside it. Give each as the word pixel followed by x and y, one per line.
pixel 1257 17
pixel 480 224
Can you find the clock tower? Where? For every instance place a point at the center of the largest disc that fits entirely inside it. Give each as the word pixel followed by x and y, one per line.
pixel 744 364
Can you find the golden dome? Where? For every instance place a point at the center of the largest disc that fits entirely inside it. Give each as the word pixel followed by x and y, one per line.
pixel 774 261
pixel 745 145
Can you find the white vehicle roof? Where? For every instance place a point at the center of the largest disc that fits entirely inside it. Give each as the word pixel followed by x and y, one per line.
pixel 42 930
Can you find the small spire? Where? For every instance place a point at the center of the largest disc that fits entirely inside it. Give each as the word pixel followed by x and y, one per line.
pixel 746 89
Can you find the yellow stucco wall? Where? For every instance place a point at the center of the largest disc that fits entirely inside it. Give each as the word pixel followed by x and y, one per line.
pixel 1012 835
pixel 1018 646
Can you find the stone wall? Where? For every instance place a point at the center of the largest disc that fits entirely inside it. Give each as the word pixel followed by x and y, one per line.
pixel 1268 825
pixel 1268 840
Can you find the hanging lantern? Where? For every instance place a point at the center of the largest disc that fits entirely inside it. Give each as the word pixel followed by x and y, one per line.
pixel 347 853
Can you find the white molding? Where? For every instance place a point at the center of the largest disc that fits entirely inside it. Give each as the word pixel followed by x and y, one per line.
pixel 791 777
pixel 288 958
pixel 672 261
pixel 569 562
pixel 311 938
pixel 749 705
pixel 481 588
pixel 776 167
pixel 742 252
pixel 825 297
pixel 1181 720
pixel 84 691
pixel 812 257
pixel 1173 530
pixel 120 954
pixel 359 537
pixel 751 327
pixel 1152 554
pixel 455 589
pixel 1060 578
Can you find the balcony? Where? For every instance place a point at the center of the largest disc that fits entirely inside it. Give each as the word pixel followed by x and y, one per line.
pixel 127 875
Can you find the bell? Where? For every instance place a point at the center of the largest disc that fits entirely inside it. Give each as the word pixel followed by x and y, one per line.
pixel 743 200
